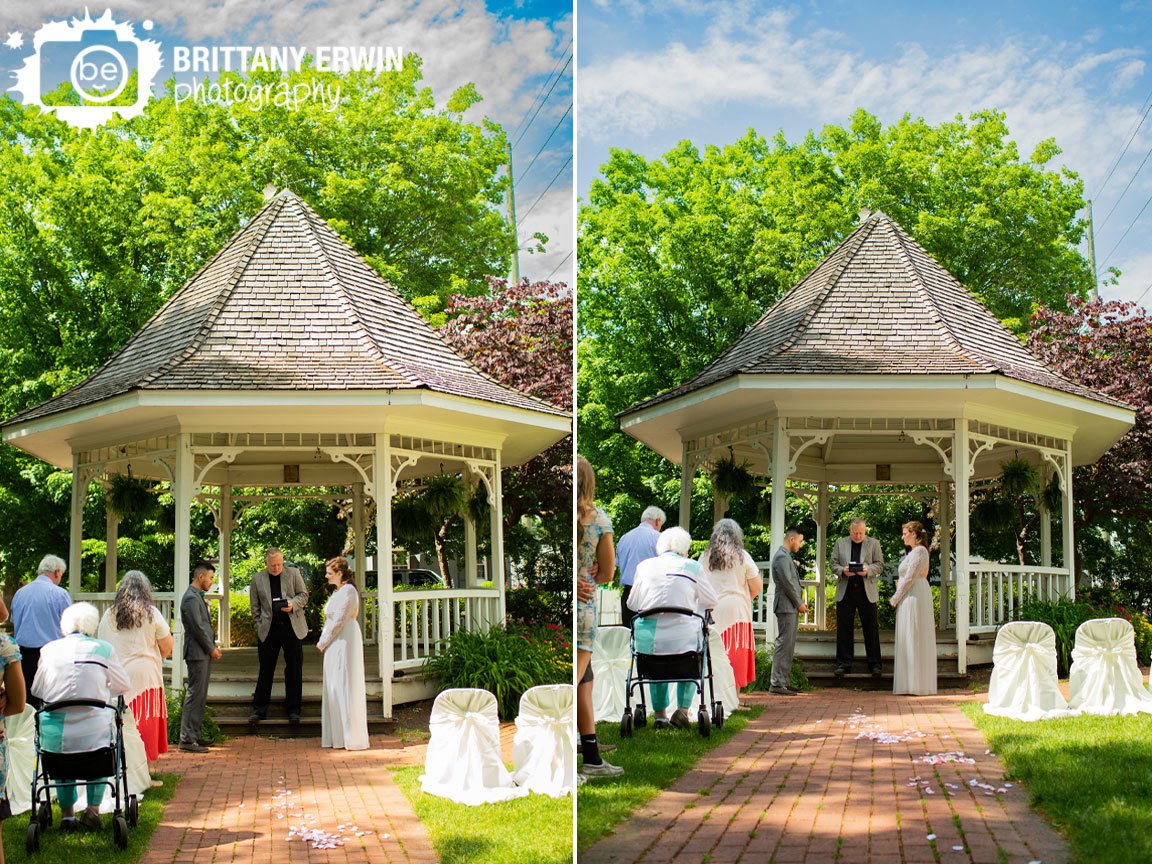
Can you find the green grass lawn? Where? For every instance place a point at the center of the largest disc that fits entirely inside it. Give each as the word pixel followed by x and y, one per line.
pixel 1090 776
pixel 652 762
pixel 532 830
pixel 89 847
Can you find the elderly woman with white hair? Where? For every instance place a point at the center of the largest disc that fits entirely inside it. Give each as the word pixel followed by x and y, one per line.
pixel 670 579
pixel 79 666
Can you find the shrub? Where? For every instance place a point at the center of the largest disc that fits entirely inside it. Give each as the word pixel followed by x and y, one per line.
pixel 763 678
pixel 504 661
pixel 240 613
pixel 534 606
pixel 1063 616
pixel 209 731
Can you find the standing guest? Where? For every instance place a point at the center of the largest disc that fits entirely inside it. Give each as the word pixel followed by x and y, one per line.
pixel 635 546
pixel 78 666
pixel 737 582
pixel 915 618
pixel 595 563
pixel 278 596
pixel 663 639
pixel 10 703
pixel 858 562
pixel 200 650
pixel 36 611
pixel 142 640
pixel 789 607
pixel 344 709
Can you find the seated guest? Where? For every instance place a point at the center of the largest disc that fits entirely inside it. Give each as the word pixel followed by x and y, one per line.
pixel 79 666
pixel 670 579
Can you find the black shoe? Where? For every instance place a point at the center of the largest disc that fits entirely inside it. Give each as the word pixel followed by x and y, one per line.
pixel 294 716
pixel 841 671
pixel 255 716
pixel 877 671
pixel 203 743
pixel 783 691
pixel 192 747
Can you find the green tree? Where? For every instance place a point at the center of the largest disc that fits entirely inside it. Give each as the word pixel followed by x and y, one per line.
pixel 678 255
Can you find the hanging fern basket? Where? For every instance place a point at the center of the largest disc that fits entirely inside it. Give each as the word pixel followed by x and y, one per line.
pixel 130 498
pixel 732 479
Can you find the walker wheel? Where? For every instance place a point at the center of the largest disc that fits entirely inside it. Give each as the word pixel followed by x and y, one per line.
pixel 44 815
pixel 704 723
pixel 718 715
pixel 32 841
pixel 133 811
pixel 120 832
pixel 626 725
pixel 639 717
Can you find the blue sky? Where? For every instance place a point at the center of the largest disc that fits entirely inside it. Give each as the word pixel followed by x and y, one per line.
pixel 652 74
pixel 510 50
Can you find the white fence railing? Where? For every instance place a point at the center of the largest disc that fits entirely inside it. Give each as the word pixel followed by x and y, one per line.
pixel 996 591
pixel 425 618
pixel 763 616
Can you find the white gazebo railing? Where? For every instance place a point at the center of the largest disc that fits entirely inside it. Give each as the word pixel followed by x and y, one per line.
pixel 998 590
pixel 425 618
pixel 764 618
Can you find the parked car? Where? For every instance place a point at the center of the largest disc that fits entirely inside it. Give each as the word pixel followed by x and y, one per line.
pixel 412 576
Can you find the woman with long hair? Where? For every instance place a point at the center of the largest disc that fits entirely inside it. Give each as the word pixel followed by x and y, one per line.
pixel 915 619
pixel 737 582
pixel 141 640
pixel 595 563
pixel 344 708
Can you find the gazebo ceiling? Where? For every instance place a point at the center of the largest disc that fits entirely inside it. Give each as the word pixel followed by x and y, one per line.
pixel 286 328
pixel 879 329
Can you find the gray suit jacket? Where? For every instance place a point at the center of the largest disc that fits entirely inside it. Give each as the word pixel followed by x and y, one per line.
pixel 260 597
pixel 199 639
pixel 870 554
pixel 786 578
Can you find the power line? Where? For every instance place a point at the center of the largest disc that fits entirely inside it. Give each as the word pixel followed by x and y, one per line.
pixel 563 54
pixel 558 266
pixel 524 173
pixel 555 177
pixel 1131 138
pixel 1129 186
pixel 543 103
pixel 1131 225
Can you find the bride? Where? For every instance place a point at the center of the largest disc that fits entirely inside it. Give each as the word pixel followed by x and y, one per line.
pixel 344 710
pixel 915 620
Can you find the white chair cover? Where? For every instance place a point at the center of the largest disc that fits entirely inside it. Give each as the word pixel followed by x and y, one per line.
pixel 611 654
pixel 723 678
pixel 463 761
pixel 1024 685
pixel 1104 678
pixel 544 749
pixel 608 605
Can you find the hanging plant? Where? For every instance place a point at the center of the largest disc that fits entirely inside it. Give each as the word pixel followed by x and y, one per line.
pixel 732 479
pixel 478 507
pixel 130 498
pixel 443 496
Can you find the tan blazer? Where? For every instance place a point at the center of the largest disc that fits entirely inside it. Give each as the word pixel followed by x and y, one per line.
pixel 260 597
pixel 870 554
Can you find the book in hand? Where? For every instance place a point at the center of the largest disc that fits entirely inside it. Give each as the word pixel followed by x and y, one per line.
pixel 855 567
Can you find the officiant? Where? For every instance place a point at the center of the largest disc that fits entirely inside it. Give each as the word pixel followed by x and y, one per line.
pixel 858 563
pixel 278 596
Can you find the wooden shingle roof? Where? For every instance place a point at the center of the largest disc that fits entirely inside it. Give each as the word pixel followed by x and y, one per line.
pixel 286 305
pixel 879 304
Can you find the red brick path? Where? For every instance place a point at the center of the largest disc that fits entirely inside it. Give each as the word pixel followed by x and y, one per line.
pixel 797 785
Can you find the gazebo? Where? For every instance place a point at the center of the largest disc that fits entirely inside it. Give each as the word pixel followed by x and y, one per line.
pixel 286 362
pixel 879 368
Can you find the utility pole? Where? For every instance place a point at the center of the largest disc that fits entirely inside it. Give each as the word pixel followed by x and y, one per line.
pixel 515 274
pixel 1091 254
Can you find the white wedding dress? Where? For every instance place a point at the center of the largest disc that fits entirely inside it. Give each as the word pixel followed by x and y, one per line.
pixel 344 710
pixel 915 627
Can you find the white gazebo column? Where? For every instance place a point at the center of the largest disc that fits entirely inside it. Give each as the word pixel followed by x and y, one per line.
pixel 471 574
pixel 359 571
pixel 111 565
pixel 385 625
pixel 182 493
pixel 944 519
pixel 686 474
pixel 821 599
pixel 76 525
pixel 225 555
pixel 779 482
pixel 498 536
pixel 960 469
pixel 1069 540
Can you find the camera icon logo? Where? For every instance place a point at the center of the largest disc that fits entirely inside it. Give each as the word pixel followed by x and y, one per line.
pixel 87 71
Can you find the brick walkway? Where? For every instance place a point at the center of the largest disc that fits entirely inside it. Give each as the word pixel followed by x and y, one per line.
pixel 228 801
pixel 797 785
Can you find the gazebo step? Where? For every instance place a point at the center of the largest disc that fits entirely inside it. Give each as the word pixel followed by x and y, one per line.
pixel 231 715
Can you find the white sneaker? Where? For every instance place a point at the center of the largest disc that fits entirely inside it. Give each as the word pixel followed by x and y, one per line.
pixel 581 780
pixel 601 770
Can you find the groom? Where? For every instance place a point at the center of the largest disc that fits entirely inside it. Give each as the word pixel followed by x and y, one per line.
pixel 278 596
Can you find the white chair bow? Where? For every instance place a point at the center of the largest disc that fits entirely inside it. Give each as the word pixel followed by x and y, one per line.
pixel 463 761
pixel 1104 678
pixel 611 655
pixel 1024 685
pixel 544 749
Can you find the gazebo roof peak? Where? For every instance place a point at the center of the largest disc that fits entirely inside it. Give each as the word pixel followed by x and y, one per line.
pixel 878 304
pixel 286 305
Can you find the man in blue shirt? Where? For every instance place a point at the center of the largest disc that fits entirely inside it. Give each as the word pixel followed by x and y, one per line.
pixel 36 611
pixel 637 545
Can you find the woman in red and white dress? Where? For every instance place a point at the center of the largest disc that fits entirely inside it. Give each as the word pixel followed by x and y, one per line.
pixel 737 582
pixel 141 639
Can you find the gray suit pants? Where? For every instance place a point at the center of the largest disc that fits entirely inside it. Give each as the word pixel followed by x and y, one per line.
pixel 195 698
pixel 786 624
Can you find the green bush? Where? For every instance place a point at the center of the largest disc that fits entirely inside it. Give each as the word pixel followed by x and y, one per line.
pixel 1063 616
pixel 209 731
pixel 535 606
pixel 504 661
pixel 240 613
pixel 763 680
